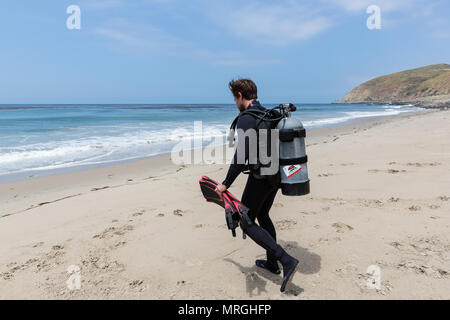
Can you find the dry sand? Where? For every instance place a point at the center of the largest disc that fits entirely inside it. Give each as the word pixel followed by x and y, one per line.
pixel 380 196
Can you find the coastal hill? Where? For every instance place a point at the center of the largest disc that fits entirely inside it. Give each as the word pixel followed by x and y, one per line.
pixel 427 86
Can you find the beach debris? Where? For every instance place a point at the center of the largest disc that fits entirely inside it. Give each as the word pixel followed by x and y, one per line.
pixel 101 188
pixel 415 208
pixel 160 215
pixel 393 199
pixel 444 198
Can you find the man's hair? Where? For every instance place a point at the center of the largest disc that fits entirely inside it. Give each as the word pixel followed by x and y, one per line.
pixel 246 87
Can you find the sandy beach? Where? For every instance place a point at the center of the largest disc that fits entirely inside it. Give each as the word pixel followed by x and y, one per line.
pixel 380 198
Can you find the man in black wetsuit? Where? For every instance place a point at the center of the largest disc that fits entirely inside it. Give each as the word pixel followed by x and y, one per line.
pixel 258 194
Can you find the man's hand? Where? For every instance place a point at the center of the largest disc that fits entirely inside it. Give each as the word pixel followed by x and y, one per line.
pixel 221 188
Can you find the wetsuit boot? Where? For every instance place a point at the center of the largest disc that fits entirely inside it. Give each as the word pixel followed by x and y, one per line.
pixel 290 267
pixel 270 264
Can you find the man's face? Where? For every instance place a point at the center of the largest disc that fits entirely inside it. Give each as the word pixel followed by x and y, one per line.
pixel 239 102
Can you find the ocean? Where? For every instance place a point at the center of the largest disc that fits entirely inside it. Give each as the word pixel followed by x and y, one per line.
pixel 41 139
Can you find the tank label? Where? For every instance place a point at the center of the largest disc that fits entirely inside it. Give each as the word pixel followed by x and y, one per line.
pixel 292 170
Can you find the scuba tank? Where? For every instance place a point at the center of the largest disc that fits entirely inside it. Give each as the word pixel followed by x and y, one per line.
pixel 293 158
pixel 292 176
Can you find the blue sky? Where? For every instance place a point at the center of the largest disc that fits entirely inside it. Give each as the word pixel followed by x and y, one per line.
pixel 178 51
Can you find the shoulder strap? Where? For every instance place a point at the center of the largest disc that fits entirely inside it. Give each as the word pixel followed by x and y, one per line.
pixel 258 114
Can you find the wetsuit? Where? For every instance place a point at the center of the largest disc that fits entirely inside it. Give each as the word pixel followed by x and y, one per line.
pixel 258 196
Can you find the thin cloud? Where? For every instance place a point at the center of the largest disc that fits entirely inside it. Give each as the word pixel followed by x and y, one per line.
pixel 149 40
pixel 274 24
pixel 103 4
pixel 385 5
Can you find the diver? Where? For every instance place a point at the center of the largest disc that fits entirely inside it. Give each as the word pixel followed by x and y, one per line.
pixel 258 194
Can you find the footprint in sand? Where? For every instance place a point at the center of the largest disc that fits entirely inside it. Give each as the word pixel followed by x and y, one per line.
pixel 140 213
pixel 423 164
pixel 393 199
pixel 182 167
pixel 390 171
pixel 136 283
pixel 44 262
pixel 394 171
pixel 444 198
pixel 325 175
pixel 160 215
pixel 39 244
pixel 308 212
pixel 278 205
pixel 341 227
pixel 178 212
pixel 434 207
pixel 113 231
pixel 285 224
pixel 120 244
pixel 414 208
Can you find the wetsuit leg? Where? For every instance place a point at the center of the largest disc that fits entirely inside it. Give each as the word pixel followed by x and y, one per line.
pixel 258 196
pixel 266 223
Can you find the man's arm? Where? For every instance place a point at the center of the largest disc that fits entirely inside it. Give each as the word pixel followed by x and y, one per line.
pixel 244 123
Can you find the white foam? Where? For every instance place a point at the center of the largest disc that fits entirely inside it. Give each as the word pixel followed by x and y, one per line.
pixel 99 149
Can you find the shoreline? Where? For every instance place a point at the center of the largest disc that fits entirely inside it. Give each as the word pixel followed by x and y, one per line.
pixel 36 174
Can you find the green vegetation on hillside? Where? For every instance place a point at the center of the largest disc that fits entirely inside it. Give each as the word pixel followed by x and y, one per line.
pixel 408 86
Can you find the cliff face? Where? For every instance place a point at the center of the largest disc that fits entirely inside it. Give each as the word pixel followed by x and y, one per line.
pixel 428 86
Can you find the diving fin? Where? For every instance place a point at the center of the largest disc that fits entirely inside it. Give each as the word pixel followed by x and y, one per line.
pixel 234 210
pixel 210 194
